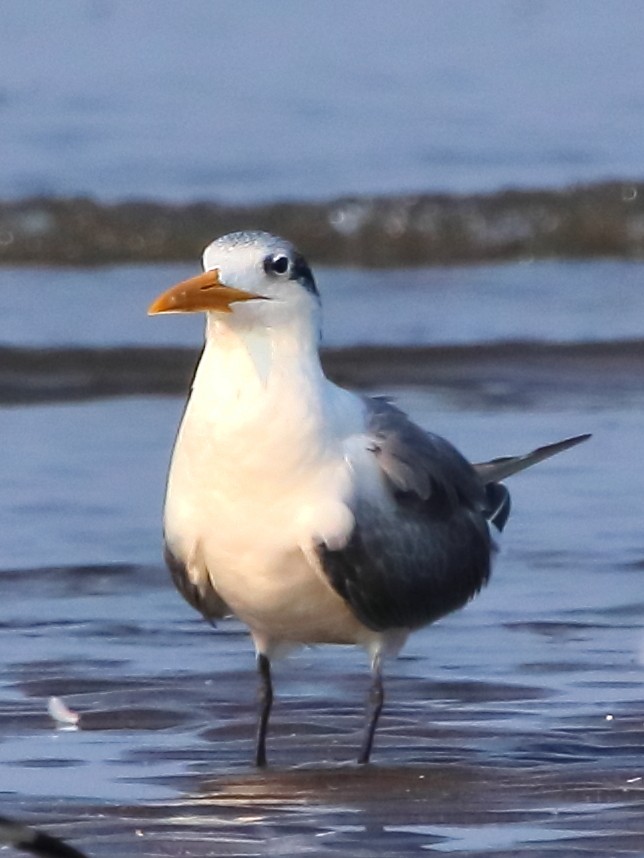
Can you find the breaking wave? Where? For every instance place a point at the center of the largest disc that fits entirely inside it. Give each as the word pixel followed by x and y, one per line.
pixel 422 229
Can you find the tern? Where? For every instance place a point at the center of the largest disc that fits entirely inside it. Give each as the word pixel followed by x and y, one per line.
pixel 312 513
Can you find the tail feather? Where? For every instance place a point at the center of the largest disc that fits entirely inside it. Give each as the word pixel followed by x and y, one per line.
pixel 499 469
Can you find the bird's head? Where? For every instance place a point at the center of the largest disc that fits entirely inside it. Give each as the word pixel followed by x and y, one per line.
pixel 257 277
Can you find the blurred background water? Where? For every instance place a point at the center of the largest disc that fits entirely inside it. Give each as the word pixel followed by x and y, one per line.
pixel 290 100
pixel 516 724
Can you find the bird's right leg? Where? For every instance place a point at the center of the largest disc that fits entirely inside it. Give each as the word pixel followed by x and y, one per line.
pixel 374 708
pixel 265 704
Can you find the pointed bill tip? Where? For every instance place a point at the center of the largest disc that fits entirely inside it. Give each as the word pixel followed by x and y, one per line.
pixel 203 293
pixel 186 296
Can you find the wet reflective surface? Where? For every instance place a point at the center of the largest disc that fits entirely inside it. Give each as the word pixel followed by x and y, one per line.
pixel 513 727
pixel 269 103
pixel 516 724
pixel 551 301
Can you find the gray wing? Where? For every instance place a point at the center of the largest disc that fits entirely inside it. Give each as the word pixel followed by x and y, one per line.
pixel 202 596
pixel 428 553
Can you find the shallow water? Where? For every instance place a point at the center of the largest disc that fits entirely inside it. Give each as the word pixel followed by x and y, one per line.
pixel 514 724
pixel 268 101
pixel 548 301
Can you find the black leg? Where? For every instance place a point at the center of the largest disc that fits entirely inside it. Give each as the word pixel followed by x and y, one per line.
pixel 265 704
pixel 374 708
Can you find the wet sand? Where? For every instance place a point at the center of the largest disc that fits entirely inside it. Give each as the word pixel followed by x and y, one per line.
pixel 461 767
pixel 387 811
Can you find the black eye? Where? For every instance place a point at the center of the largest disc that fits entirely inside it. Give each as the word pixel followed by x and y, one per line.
pixel 278 264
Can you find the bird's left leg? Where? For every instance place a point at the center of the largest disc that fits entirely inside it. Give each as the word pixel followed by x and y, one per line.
pixel 374 708
pixel 265 704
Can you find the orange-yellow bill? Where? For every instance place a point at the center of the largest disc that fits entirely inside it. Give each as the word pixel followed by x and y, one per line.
pixel 202 293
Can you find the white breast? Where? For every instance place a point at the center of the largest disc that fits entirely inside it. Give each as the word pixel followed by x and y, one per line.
pixel 258 476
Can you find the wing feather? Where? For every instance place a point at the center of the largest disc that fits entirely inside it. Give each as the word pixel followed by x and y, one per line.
pixel 423 548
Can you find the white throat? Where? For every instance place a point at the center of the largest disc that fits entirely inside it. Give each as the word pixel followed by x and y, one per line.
pixel 259 443
pixel 261 386
pixel 250 360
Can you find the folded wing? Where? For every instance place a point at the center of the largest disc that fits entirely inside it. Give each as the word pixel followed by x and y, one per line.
pixel 421 546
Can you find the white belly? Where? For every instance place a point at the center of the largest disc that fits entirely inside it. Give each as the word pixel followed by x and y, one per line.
pixel 287 601
pixel 259 558
pixel 245 508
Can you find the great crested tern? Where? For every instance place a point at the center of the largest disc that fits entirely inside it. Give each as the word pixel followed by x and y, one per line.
pixel 311 513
